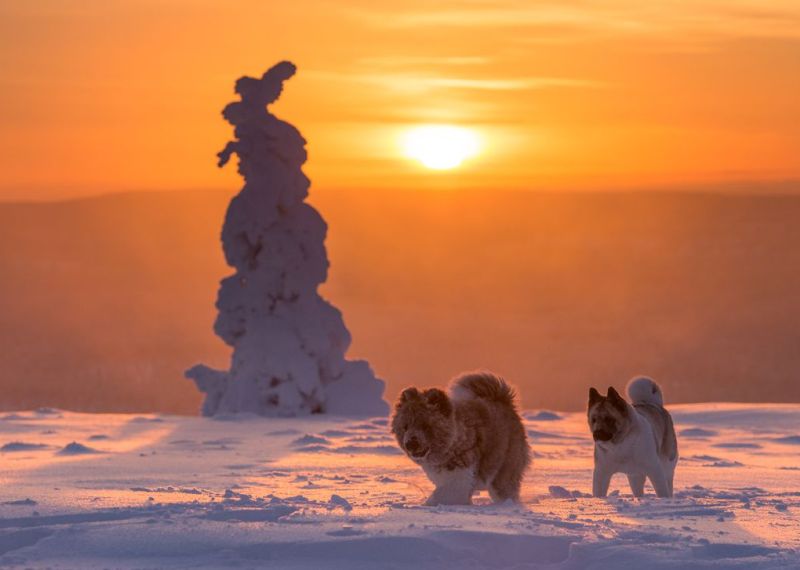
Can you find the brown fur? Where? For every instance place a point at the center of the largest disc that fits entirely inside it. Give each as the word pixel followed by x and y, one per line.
pixel 472 438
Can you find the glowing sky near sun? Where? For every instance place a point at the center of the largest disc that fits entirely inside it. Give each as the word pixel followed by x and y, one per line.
pixel 103 96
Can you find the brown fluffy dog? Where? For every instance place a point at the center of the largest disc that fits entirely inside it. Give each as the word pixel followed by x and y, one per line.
pixel 468 440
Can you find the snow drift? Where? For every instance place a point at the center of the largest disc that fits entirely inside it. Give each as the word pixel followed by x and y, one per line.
pixel 288 343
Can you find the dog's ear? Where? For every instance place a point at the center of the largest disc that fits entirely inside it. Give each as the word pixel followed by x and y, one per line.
pixel 439 400
pixel 616 400
pixel 594 396
pixel 407 395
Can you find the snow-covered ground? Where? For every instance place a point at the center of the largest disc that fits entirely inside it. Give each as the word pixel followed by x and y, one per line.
pixel 124 491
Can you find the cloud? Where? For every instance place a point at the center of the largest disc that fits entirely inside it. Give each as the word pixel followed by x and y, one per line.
pixel 422 61
pixel 489 17
pixel 710 19
pixel 409 82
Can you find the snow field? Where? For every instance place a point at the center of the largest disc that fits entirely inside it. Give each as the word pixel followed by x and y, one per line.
pixel 125 491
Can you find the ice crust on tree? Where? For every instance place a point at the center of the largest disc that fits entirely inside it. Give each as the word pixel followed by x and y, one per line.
pixel 288 343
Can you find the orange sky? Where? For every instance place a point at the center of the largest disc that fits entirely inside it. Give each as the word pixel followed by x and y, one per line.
pixel 108 95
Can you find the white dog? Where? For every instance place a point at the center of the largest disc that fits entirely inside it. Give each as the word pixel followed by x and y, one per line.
pixel 637 439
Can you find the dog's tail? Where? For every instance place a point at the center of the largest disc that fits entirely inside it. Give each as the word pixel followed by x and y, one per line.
pixel 484 385
pixel 644 390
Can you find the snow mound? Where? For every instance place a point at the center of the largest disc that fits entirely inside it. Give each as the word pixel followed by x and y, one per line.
pixel 559 492
pixel 309 439
pixel 542 416
pixel 289 344
pixel 788 440
pixel 15 446
pixel 341 502
pixel 22 502
pixel 76 448
pixel 697 432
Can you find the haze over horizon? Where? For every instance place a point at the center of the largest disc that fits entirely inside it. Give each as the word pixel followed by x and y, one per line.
pixel 787 187
pixel 113 297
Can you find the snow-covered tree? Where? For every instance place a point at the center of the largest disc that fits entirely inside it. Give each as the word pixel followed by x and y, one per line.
pixel 288 343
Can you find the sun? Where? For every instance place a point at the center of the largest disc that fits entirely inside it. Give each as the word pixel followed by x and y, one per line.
pixel 441 147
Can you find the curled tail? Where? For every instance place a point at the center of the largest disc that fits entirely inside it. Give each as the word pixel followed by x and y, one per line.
pixel 484 385
pixel 644 390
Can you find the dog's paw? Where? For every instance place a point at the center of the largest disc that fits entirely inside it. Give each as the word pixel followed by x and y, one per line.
pixel 440 499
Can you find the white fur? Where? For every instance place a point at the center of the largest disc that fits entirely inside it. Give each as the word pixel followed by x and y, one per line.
pixel 637 456
pixel 453 487
pixel 644 390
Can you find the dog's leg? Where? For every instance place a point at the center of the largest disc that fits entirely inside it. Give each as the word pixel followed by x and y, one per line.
pixel 600 482
pixel 505 488
pixel 637 484
pixel 507 482
pixel 670 471
pixel 659 481
pixel 453 488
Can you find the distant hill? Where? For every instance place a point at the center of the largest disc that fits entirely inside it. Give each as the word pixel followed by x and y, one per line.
pixel 104 301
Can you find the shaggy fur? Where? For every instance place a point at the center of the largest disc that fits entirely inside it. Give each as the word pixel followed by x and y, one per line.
pixel 637 439
pixel 468 440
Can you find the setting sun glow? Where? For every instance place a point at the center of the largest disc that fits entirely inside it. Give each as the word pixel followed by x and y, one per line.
pixel 440 147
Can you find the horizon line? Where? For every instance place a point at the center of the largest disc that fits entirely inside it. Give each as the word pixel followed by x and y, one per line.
pixel 763 188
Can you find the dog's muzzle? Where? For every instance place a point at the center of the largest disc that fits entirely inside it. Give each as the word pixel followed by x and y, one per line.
pixel 415 449
pixel 602 435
